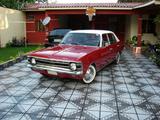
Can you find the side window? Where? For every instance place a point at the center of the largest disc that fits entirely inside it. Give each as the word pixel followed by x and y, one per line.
pixel 112 38
pixel 39 26
pixel 105 41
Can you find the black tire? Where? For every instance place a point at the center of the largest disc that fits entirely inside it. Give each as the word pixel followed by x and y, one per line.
pixel 117 59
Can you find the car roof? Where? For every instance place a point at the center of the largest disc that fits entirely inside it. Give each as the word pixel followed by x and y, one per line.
pixel 91 31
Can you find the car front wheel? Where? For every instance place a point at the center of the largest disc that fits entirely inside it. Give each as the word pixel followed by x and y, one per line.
pixel 90 74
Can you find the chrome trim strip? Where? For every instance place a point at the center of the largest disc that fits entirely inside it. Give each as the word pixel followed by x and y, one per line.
pixel 55 69
pixel 54 59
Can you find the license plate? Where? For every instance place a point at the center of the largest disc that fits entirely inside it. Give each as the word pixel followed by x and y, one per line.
pixel 52 72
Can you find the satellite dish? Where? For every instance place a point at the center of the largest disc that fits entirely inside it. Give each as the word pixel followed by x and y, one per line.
pixel 46 21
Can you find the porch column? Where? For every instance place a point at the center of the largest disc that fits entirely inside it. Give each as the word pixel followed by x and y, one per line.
pixel 139 30
pixel 46 29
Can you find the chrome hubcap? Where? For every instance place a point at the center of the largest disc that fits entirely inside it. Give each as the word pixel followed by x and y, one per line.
pixel 89 74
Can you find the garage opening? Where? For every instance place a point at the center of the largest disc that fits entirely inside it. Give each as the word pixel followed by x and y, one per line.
pixel 115 23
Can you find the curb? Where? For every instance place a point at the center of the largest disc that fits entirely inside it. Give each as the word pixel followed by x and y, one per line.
pixel 12 62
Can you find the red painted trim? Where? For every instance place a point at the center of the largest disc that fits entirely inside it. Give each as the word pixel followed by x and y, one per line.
pixel 46 29
pixel 78 12
pixel 63 12
pixel 115 12
pixel 139 30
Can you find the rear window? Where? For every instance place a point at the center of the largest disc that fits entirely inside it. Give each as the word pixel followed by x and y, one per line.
pixel 59 32
pixel 112 38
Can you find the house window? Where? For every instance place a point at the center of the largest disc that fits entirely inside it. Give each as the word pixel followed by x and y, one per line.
pixel 39 26
pixel 30 17
pixel 148 26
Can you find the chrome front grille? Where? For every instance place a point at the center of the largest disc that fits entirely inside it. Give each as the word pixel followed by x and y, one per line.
pixel 52 63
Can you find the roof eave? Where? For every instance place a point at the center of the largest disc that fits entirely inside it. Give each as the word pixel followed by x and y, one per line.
pixel 27 10
pixel 145 5
pixel 84 8
pixel 157 2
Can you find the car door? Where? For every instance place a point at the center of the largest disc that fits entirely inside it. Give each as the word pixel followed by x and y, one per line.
pixel 105 53
pixel 113 45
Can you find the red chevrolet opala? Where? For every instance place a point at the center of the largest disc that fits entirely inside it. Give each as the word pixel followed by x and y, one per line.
pixel 80 55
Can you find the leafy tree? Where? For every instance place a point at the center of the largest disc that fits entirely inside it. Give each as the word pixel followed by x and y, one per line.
pixel 17 4
pixel 133 0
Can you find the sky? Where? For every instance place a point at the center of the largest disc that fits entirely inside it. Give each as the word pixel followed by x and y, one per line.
pixel 82 1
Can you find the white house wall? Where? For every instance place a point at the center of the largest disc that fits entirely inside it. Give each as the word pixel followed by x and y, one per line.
pixel 131 27
pixel 134 25
pixel 128 28
pixel 12 24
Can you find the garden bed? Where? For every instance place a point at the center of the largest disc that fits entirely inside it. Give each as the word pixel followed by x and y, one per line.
pixel 10 53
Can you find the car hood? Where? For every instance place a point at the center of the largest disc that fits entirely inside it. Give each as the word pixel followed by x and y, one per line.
pixel 64 52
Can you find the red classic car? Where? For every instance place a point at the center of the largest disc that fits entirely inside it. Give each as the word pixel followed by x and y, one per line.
pixel 80 55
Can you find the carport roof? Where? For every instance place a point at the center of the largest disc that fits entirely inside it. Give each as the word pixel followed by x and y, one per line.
pixel 110 6
pixel 45 6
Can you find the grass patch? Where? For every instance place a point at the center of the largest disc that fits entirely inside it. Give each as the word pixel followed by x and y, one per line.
pixel 13 52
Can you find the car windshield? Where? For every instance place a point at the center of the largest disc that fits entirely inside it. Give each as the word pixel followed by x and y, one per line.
pixel 86 39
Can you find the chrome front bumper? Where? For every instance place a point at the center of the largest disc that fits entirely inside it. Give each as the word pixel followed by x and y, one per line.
pixel 55 69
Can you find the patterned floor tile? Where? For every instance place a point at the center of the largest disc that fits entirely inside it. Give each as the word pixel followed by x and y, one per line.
pixel 28 101
pixel 50 118
pixel 71 114
pixel 12 116
pixel 54 112
pixel 3 98
pixel 20 108
pixel 90 115
pixel 2 114
pixel 5 107
pixel 128 116
pixel 41 102
pixel 37 110
pixel 106 115
pixel 127 91
pixel 31 117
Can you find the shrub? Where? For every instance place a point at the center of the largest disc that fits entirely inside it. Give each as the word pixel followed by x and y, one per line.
pixel 133 41
pixel 16 43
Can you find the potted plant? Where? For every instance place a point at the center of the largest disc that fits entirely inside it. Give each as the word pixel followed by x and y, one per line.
pixel 134 44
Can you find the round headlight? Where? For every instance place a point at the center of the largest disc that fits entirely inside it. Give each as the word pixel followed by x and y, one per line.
pixel 73 66
pixel 33 61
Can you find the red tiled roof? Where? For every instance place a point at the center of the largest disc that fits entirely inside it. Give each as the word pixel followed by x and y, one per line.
pixel 81 5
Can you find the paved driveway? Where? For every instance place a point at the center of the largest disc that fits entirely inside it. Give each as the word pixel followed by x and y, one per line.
pixel 130 90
